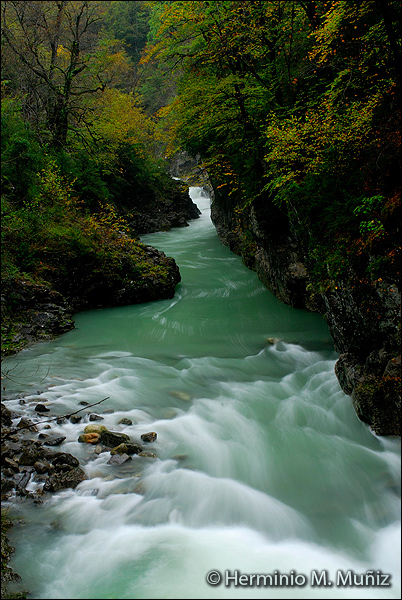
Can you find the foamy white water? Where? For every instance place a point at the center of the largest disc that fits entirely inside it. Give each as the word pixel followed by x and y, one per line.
pixel 263 466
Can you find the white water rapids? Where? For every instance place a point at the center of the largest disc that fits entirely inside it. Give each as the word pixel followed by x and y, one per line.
pixel 262 468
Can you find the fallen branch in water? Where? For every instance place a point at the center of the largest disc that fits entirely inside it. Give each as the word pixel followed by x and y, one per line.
pixel 66 416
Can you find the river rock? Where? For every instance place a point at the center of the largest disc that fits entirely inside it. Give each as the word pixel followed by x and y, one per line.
pixel 94 428
pixel 118 459
pixel 5 415
pixel 181 395
pixel 126 449
pixel 42 466
pixel 89 438
pixel 94 417
pixel 69 479
pixel 112 438
pixel 55 440
pixel 125 421
pixel 26 424
pixel 64 458
pixel 75 419
pixel 22 480
pixel 41 408
pixel 12 464
pixel 31 454
pixel 147 454
pixel 180 457
pixel 140 489
pixel 7 484
pixel 149 437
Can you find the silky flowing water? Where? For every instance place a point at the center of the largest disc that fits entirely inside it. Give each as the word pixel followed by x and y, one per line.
pixel 262 468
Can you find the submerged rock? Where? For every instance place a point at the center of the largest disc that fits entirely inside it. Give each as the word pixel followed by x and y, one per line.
pixel 273 340
pixel 148 454
pixel 149 437
pixel 118 459
pixel 181 395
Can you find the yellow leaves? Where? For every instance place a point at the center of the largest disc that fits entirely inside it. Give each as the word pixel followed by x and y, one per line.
pixel 63 52
pixel 118 119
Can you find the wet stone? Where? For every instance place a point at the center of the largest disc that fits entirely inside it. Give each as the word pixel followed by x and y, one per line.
pixel 147 454
pixel 126 449
pixel 94 428
pixel 89 438
pixel 113 439
pixel 5 415
pixel 94 417
pixel 41 408
pixel 75 419
pixel 119 459
pixel 69 479
pixel 55 441
pixel 41 466
pixel 149 437
pixel 125 421
pixel 31 455
pixel 26 424
pixel 22 479
pixel 12 464
pixel 65 458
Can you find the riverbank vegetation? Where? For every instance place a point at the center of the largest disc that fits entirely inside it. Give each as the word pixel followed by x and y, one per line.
pixel 80 161
pixel 295 104
pixel 292 108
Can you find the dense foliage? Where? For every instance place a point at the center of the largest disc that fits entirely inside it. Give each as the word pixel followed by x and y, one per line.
pixel 79 154
pixel 293 107
pixel 295 104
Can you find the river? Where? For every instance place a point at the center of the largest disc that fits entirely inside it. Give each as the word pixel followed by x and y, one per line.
pixel 263 466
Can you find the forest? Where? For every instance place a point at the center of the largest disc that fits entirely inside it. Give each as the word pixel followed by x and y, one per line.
pixel 290 109
pixel 276 415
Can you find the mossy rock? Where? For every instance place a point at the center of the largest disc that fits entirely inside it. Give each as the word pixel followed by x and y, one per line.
pixel 94 428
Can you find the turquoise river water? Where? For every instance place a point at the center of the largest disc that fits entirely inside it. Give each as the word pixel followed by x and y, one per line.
pixel 262 468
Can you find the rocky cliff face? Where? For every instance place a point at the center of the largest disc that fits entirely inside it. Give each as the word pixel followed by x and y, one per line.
pixel 173 210
pixel 363 316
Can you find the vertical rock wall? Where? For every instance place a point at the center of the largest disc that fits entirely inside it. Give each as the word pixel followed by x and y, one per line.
pixel 363 316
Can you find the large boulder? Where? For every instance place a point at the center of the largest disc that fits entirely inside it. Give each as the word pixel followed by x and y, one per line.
pixel 65 480
pixel 111 439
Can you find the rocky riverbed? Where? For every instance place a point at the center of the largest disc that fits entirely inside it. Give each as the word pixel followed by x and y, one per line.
pixel 34 464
